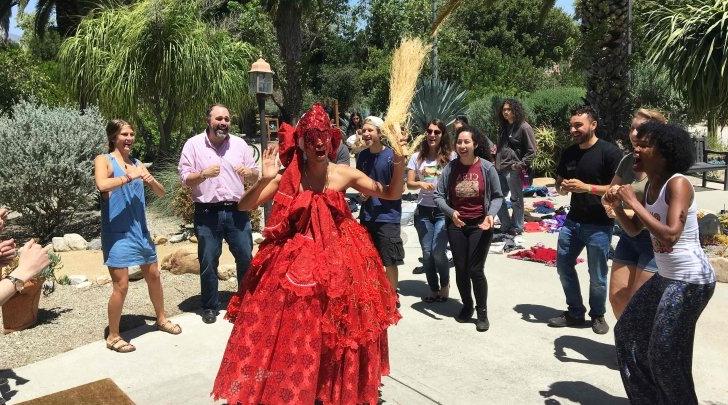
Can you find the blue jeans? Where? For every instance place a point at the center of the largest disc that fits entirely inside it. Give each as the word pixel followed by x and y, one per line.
pixel 512 180
pixel 573 238
pixel 212 225
pixel 430 226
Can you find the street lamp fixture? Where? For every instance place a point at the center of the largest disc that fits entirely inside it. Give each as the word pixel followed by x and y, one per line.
pixel 261 83
pixel 261 77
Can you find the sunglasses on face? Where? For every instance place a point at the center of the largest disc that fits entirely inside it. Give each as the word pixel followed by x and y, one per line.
pixel 434 131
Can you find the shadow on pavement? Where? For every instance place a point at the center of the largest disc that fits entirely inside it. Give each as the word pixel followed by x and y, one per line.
pixel 6 393
pixel 579 392
pixel 192 304
pixel 132 326
pixel 535 313
pixel 597 353
pixel 413 288
pixel 445 310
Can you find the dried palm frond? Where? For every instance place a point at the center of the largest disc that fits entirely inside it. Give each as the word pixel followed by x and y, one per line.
pixel 442 15
pixel 412 147
pixel 407 63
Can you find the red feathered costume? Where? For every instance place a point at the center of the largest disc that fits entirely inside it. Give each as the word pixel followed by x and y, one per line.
pixel 312 314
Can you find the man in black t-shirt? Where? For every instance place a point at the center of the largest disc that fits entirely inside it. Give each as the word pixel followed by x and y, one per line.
pixel 585 170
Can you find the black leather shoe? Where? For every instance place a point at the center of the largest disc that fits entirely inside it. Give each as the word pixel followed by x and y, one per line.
pixel 209 316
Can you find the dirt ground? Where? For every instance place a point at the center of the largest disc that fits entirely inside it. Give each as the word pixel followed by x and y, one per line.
pixel 90 263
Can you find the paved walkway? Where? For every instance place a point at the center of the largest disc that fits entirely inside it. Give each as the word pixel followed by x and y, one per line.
pixel 435 360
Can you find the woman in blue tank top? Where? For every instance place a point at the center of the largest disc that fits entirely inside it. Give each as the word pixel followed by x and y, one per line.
pixel 125 238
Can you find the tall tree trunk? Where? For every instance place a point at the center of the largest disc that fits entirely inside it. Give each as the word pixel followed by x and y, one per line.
pixel 607 44
pixel 68 16
pixel 288 32
pixel 4 30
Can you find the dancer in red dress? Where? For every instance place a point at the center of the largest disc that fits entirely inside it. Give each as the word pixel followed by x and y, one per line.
pixel 312 314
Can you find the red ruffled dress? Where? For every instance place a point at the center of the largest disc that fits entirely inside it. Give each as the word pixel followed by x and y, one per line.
pixel 312 315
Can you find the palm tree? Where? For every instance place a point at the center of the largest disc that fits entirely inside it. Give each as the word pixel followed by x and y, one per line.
pixel 6 7
pixel 68 13
pixel 158 58
pixel 287 18
pixel 607 45
pixel 690 40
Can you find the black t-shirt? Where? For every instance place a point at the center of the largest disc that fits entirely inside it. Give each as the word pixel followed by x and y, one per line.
pixel 595 165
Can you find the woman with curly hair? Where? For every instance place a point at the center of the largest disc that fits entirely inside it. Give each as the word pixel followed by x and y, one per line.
pixel 515 151
pixel 423 170
pixel 654 336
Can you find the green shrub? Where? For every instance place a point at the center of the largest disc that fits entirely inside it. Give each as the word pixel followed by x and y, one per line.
pixel 177 200
pixel 652 88
pixel 552 107
pixel 550 145
pixel 46 164
pixel 483 114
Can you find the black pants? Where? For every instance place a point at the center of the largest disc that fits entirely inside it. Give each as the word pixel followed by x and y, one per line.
pixel 470 246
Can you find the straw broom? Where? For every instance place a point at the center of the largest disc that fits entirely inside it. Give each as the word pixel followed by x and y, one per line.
pixel 407 63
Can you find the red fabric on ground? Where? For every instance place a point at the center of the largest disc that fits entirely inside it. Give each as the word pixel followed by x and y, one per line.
pixel 532 227
pixel 539 254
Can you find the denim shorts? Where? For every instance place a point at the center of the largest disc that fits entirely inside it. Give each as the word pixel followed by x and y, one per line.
pixel 636 251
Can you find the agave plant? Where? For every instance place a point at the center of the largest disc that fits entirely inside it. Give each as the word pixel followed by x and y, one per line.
pixel 436 99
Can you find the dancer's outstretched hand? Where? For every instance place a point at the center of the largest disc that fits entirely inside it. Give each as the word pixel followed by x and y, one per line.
pixel 269 164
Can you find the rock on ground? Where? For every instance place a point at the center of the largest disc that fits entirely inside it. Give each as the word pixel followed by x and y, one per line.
pixel 181 262
pixel 720 265
pixel 75 241
pixel 226 271
pixel 135 273
pixel 59 244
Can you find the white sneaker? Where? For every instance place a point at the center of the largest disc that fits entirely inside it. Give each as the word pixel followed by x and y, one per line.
pixel 519 240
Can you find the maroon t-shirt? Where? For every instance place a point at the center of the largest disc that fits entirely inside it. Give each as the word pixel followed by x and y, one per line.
pixel 467 191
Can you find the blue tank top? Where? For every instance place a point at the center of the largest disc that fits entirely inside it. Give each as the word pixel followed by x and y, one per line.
pixel 124 210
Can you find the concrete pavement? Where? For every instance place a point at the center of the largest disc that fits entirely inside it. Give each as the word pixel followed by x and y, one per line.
pixel 434 359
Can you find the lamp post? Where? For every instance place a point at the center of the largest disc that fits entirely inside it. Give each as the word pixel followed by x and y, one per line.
pixel 261 83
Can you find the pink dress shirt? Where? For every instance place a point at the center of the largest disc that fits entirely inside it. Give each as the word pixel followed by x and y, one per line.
pixel 199 153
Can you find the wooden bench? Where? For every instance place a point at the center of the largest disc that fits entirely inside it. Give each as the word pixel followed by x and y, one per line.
pixel 702 165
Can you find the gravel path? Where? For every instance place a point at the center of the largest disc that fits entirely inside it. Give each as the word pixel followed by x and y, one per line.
pixel 70 317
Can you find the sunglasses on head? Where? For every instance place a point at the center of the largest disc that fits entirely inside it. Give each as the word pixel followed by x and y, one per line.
pixel 434 131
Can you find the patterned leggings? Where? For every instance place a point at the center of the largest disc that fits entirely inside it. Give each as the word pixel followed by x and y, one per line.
pixel 654 339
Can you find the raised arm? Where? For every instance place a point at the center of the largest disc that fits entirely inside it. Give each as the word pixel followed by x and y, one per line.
pixel 267 185
pixel 365 185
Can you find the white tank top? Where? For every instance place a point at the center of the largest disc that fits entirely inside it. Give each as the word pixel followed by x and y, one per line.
pixel 686 260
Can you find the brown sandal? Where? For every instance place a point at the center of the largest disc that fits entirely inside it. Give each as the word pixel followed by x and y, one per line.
pixel 170 327
pixel 124 347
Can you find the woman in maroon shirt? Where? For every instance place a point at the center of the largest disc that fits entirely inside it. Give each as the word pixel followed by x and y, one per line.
pixel 469 193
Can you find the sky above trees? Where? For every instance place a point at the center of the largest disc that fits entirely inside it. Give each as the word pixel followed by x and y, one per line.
pixel 16 32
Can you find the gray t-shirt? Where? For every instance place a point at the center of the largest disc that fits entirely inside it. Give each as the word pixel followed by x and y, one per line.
pixel 626 173
pixel 342 155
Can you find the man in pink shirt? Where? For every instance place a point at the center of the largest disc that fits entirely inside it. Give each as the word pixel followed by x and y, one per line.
pixel 214 165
